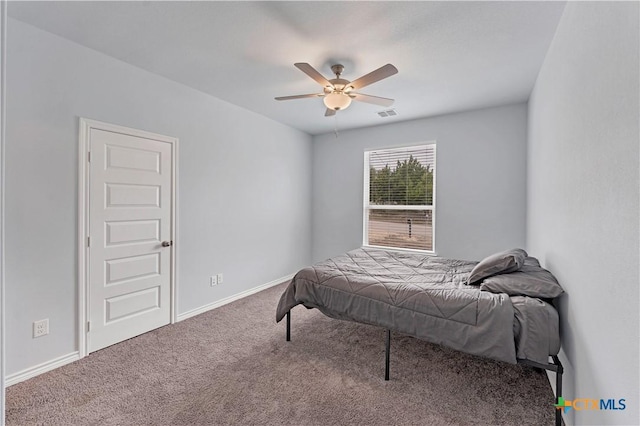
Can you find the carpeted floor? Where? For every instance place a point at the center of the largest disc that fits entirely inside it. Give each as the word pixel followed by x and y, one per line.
pixel 232 365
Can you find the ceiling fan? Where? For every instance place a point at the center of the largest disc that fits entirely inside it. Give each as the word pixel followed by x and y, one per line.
pixel 338 92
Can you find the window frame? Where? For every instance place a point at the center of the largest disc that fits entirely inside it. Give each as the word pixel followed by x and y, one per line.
pixel 366 207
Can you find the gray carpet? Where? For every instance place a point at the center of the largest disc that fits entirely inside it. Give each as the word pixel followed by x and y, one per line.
pixel 233 366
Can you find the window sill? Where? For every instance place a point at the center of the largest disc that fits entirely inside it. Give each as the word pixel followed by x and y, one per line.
pixel 402 250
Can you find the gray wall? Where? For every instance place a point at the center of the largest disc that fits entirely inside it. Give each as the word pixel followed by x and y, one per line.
pixel 582 215
pixel 243 186
pixel 480 174
pixel 3 40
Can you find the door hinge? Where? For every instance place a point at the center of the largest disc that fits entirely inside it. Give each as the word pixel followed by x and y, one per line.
pixel 89 156
pixel 88 241
pixel 88 326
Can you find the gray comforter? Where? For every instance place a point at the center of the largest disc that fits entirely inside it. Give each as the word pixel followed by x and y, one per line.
pixel 422 296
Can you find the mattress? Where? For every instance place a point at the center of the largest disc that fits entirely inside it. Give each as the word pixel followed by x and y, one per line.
pixel 425 297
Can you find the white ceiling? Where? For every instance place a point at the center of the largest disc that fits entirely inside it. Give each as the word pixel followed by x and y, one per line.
pixel 451 56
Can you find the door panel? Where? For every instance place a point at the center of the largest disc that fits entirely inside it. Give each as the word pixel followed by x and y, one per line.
pixel 132 268
pixel 132 232
pixel 132 304
pixel 130 205
pixel 119 157
pixel 121 195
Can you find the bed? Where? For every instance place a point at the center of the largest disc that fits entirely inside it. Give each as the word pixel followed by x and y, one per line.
pixel 499 308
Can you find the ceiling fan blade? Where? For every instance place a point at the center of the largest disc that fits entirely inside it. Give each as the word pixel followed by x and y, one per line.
pixel 329 112
pixel 376 100
pixel 311 72
pixel 377 75
pixel 310 95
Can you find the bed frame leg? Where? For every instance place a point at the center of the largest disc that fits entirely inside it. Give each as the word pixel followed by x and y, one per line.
pixel 559 372
pixel 386 354
pixel 557 368
pixel 288 326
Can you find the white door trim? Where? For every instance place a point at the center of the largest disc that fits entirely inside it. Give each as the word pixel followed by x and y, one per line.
pixel 83 217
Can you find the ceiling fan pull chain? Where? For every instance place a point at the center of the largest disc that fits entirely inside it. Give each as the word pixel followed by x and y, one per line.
pixel 335 126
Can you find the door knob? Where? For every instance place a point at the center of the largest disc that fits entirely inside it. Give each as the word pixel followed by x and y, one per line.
pixel 167 243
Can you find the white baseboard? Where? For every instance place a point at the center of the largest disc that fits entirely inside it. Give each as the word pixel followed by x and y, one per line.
pixel 226 300
pixel 36 370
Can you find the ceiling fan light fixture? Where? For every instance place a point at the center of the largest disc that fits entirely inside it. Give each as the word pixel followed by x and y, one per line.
pixel 337 101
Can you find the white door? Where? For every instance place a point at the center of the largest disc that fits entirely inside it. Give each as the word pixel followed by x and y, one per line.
pixel 130 208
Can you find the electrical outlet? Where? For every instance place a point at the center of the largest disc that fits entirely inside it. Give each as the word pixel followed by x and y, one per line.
pixel 219 278
pixel 40 328
pixel 213 280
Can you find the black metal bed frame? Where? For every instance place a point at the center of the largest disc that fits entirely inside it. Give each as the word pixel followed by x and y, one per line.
pixel 556 366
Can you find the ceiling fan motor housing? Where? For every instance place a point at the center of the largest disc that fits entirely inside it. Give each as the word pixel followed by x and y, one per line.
pixel 339 84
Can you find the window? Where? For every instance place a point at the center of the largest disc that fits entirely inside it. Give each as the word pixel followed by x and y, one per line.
pixel 399 197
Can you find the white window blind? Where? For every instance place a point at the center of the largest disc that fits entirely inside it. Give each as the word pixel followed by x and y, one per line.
pixel 399 197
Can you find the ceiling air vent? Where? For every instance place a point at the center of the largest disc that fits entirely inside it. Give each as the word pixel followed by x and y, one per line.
pixel 387 113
